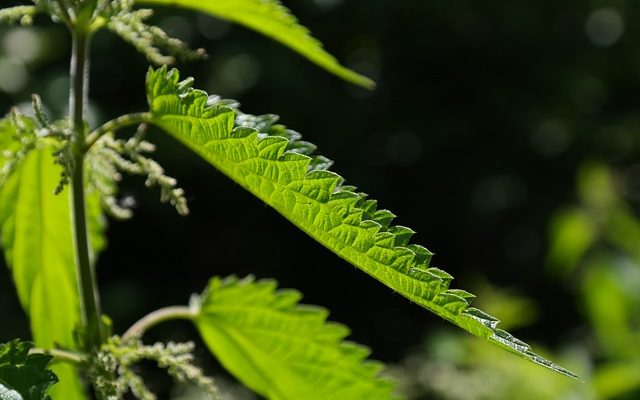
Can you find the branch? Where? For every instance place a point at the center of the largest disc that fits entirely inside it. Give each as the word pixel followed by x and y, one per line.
pixel 116 125
pixel 157 317
pixel 61 355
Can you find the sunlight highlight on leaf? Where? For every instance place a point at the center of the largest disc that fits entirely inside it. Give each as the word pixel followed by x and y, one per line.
pixel 38 246
pixel 273 163
pixel 284 350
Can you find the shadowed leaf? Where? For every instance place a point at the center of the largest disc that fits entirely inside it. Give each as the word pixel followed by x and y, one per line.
pixel 24 376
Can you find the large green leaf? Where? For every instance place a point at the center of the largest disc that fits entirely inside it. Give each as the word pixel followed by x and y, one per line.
pixel 283 350
pixel 37 242
pixel 272 163
pixel 36 237
pixel 272 19
pixel 24 376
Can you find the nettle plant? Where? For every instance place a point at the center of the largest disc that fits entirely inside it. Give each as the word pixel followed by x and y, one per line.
pixel 59 178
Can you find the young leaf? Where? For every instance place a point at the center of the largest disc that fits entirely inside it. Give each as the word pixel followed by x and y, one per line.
pixel 281 349
pixel 272 19
pixel 24 376
pixel 272 163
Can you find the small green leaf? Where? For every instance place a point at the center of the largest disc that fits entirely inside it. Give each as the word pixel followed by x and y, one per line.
pixel 24 376
pixel 272 19
pixel 281 349
pixel 263 158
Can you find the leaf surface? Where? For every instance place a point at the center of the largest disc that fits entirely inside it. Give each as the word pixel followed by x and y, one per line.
pixel 284 350
pixel 276 166
pixel 37 242
pixel 24 376
pixel 272 19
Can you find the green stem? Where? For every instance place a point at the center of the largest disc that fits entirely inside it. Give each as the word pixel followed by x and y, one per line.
pixel 115 125
pixel 156 317
pixel 61 355
pixel 87 286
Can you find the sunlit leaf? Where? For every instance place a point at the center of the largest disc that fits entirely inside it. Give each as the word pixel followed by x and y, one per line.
pixel 37 242
pixel 272 163
pixel 39 249
pixel 284 350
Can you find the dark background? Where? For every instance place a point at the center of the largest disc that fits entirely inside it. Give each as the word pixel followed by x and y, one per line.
pixel 482 115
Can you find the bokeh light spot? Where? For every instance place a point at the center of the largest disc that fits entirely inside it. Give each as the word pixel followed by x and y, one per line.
pixel 13 75
pixel 550 138
pixel 235 74
pixel 179 27
pixel 403 149
pixel 212 28
pixel 57 92
pixel 22 44
pixel 604 26
pixel 498 192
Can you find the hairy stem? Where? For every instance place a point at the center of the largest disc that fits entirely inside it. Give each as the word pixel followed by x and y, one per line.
pixel 157 317
pixel 115 125
pixel 61 355
pixel 88 288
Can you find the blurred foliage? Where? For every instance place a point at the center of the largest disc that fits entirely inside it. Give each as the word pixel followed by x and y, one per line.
pixel 605 273
pixel 594 250
pixel 455 367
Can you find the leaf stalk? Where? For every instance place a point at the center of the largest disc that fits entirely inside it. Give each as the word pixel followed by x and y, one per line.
pixel 61 355
pixel 157 317
pixel 115 125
